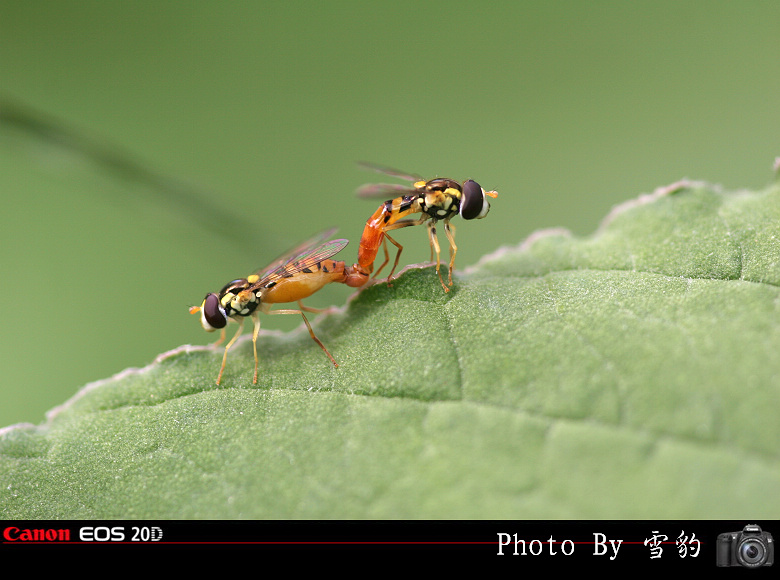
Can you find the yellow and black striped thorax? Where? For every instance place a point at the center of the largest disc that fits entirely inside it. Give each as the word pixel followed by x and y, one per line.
pixel 441 199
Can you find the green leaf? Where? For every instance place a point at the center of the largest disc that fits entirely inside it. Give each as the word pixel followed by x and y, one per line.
pixel 631 374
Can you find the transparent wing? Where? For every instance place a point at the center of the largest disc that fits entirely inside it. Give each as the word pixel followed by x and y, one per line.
pixel 303 261
pixel 303 256
pixel 389 171
pixel 292 253
pixel 384 190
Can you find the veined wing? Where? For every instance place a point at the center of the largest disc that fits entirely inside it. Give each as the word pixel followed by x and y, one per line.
pixel 300 258
pixel 294 252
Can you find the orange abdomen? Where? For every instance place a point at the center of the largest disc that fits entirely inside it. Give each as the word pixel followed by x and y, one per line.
pixel 304 284
pixel 369 242
pixel 374 232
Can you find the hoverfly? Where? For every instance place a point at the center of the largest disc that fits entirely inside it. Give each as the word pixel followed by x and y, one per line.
pixel 436 199
pixel 294 276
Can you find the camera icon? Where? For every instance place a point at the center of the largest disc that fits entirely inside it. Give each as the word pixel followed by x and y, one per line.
pixel 750 548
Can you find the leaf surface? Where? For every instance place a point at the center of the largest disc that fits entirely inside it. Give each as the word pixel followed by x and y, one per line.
pixel 631 374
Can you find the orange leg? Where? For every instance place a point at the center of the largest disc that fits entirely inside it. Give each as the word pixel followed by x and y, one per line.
pixel 387 255
pixel 435 245
pixel 397 226
pixel 312 310
pixel 221 338
pixel 397 257
pixel 256 321
pixel 450 231
pixel 311 332
pixel 227 348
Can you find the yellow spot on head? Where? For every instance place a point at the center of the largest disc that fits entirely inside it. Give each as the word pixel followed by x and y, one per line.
pixel 253 278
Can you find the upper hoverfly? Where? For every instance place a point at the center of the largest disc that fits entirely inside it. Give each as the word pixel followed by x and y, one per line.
pixel 294 276
pixel 436 199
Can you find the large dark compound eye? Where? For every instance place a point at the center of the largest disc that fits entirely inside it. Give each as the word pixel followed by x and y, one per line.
pixel 474 204
pixel 213 314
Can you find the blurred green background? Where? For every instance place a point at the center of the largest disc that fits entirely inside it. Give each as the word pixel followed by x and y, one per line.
pixel 152 151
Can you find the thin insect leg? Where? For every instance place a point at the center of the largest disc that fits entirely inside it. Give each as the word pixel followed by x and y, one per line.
pixel 398 226
pixel 227 348
pixel 387 257
pixel 435 245
pixel 397 257
pixel 405 224
pixel 450 231
pixel 221 338
pixel 256 321
pixel 311 332
pixel 313 310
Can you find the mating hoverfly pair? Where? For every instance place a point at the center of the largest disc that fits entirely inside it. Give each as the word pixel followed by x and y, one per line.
pixel 307 268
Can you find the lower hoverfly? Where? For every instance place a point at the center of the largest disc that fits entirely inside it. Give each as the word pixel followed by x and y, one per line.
pixel 294 276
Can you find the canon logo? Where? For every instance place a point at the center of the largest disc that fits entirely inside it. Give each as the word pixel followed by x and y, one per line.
pixel 13 534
